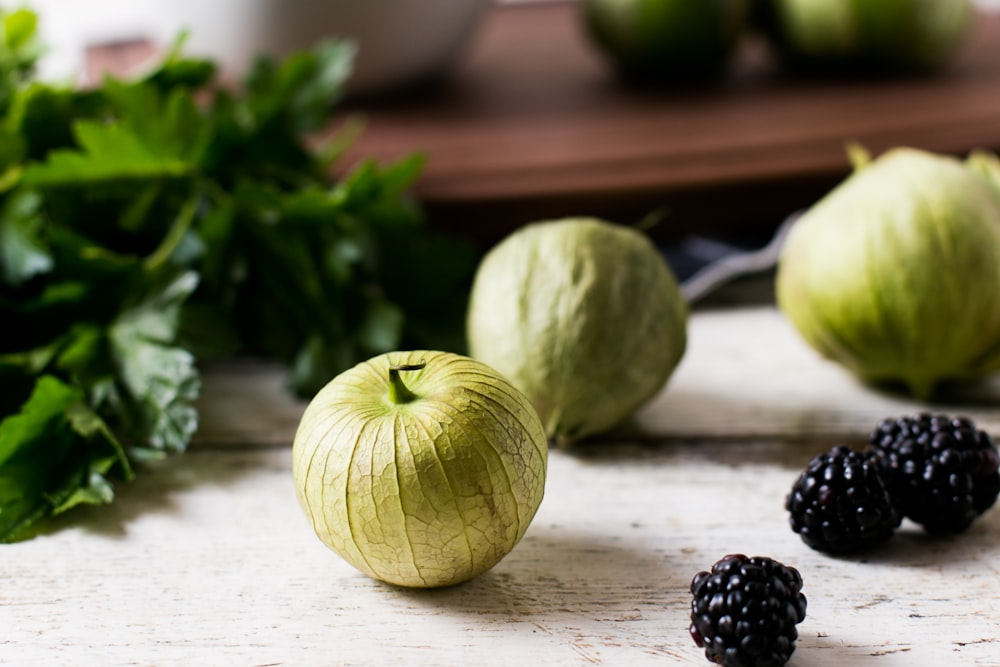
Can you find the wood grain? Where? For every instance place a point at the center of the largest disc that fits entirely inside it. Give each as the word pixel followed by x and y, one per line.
pixel 207 559
pixel 746 376
pixel 534 124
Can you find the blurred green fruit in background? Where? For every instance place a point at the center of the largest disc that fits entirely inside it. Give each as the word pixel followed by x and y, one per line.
pixel 666 39
pixel 864 34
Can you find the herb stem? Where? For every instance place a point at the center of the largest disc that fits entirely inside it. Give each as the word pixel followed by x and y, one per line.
pixel 185 218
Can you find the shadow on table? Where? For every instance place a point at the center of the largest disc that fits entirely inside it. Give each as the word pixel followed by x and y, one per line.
pixel 819 649
pixel 556 575
pixel 737 428
pixel 911 547
pixel 153 491
pixel 792 453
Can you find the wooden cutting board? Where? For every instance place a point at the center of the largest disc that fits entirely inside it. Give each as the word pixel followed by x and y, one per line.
pixel 533 124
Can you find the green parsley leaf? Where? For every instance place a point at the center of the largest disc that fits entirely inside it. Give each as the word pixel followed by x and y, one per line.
pixel 109 152
pixel 54 454
pixel 22 253
pixel 159 379
pixel 19 51
pixel 150 224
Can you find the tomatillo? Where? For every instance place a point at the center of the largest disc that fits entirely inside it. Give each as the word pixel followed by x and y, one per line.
pixel 896 272
pixel 584 316
pixel 666 39
pixel 865 34
pixel 421 469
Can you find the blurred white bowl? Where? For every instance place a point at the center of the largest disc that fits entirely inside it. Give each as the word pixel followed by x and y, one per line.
pixel 399 41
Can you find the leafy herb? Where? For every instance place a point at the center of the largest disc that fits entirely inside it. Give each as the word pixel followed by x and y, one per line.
pixel 151 224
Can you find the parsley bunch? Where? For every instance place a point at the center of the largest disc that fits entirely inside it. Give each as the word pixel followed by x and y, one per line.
pixel 151 224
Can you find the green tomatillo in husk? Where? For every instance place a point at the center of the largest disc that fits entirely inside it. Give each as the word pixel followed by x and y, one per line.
pixel 421 469
pixel 896 273
pixel 865 34
pixel 664 40
pixel 584 316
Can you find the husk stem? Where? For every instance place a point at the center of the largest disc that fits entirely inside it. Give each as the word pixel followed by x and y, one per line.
pixel 857 155
pixel 399 393
pixel 986 164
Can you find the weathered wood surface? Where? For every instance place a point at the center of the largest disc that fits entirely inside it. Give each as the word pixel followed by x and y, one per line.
pixel 746 374
pixel 208 560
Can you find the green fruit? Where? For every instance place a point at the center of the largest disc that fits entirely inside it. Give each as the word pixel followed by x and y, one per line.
pixel 425 482
pixel 666 39
pixel 583 316
pixel 885 34
pixel 896 273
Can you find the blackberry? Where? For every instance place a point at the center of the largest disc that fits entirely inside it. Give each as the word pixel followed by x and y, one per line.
pixel 940 471
pixel 745 610
pixel 839 504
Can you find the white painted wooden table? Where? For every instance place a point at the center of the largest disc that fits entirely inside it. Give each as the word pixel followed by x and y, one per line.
pixel 208 560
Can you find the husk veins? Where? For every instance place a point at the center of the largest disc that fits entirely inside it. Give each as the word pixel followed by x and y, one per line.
pixel 426 492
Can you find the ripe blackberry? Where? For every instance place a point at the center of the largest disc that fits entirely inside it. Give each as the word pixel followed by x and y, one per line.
pixel 840 504
pixel 941 472
pixel 745 610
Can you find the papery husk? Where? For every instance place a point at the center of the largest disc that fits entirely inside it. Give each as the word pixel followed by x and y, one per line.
pixel 421 485
pixel 896 273
pixel 584 316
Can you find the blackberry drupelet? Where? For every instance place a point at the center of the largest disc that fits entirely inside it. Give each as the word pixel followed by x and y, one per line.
pixel 745 610
pixel 941 472
pixel 839 504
